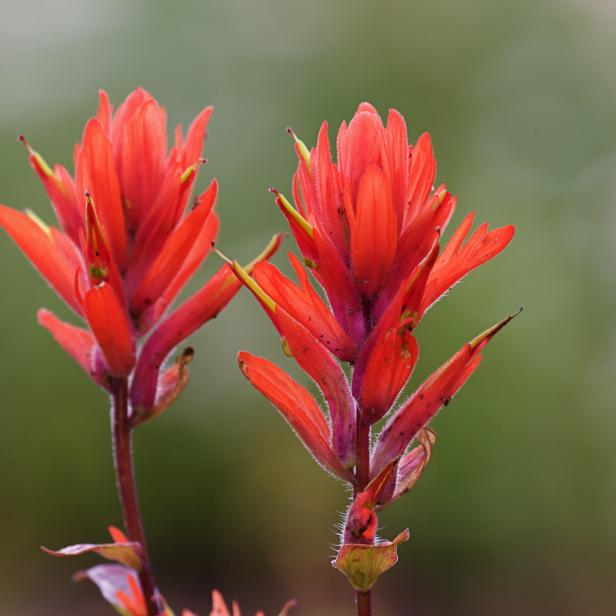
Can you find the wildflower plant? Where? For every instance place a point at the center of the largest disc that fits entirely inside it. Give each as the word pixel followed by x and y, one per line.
pixel 128 239
pixel 369 228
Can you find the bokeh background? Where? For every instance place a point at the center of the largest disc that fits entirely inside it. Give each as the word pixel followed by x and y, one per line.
pixel 517 512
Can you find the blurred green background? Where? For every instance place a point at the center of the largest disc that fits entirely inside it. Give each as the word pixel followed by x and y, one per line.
pixel 517 511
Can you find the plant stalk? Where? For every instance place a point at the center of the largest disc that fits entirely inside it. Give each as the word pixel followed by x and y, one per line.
pixel 363 600
pixel 127 489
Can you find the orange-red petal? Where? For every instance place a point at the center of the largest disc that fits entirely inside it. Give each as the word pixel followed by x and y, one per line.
pixel 436 392
pixel 79 343
pixel 50 251
pixel 95 172
pixel 374 231
pixel 421 174
pixel 173 254
pixel 297 407
pixel 305 305
pixel 457 261
pixel 111 328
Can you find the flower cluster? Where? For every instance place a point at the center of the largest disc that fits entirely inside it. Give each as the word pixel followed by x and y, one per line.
pixel 369 228
pixel 129 239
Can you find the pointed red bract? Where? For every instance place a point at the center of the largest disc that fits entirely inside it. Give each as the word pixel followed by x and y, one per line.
pixel 111 328
pixel 436 392
pixel 297 406
pixel 374 231
pixel 48 250
pixel 316 361
pixel 422 171
pixel 173 254
pixel 79 343
pixel 457 260
pixel 305 305
pixel 96 174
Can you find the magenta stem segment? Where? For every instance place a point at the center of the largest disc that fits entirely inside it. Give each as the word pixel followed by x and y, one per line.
pixel 363 600
pixel 127 489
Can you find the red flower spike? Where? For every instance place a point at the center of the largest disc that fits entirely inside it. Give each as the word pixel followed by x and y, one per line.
pixel 110 326
pixel 120 261
pixel 436 392
pixel 298 408
pixel 369 227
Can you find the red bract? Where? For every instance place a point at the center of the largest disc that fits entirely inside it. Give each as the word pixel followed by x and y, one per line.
pixel 369 227
pixel 129 239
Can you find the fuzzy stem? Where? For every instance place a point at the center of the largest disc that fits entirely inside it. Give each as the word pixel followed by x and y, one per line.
pixel 127 489
pixel 363 600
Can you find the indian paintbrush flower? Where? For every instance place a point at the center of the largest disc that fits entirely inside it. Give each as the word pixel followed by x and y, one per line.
pixel 369 228
pixel 129 238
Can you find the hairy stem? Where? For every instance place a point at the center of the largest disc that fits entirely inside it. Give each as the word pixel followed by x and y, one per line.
pixel 127 489
pixel 363 600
